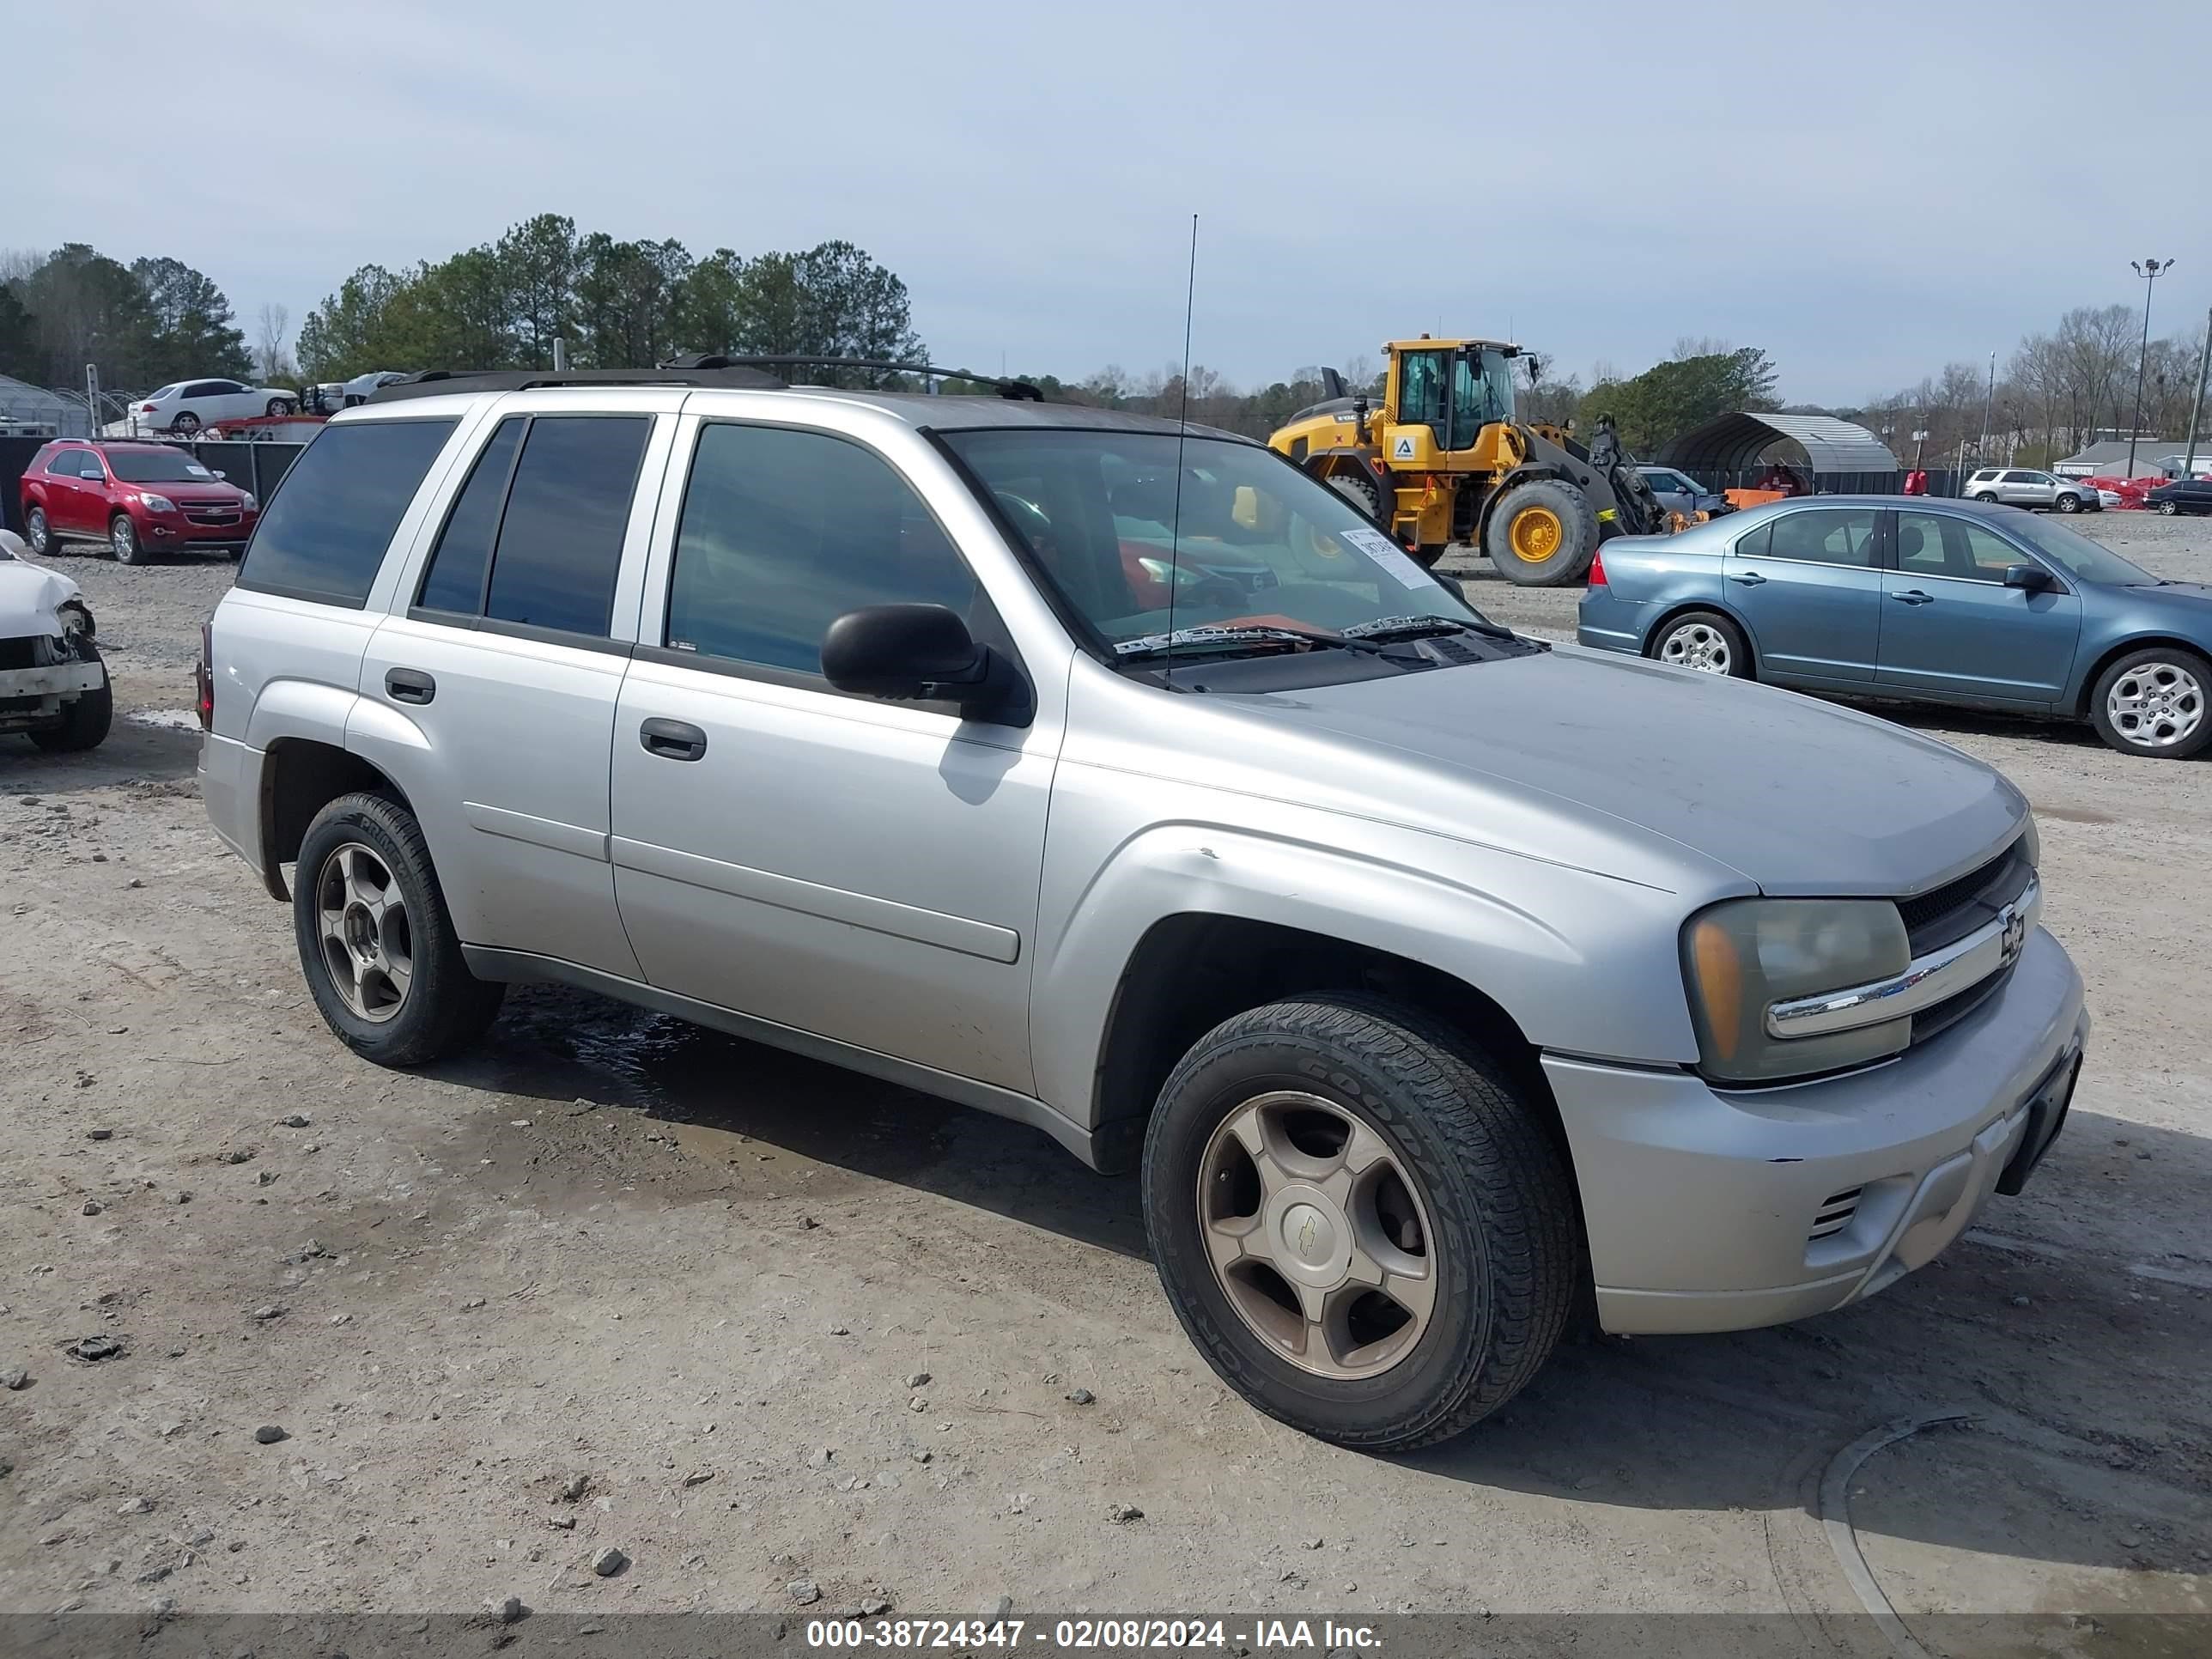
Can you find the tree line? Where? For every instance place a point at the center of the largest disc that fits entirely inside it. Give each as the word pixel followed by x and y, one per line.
pixel 140 324
pixel 617 304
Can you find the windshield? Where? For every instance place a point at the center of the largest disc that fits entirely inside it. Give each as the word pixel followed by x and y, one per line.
pixel 2078 555
pixel 143 467
pixel 1261 545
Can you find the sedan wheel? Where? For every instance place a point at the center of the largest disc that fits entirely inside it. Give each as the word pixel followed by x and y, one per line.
pixel 185 421
pixel 1700 643
pixel 2157 704
pixel 2167 509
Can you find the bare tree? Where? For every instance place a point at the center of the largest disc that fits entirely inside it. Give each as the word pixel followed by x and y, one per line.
pixel 270 355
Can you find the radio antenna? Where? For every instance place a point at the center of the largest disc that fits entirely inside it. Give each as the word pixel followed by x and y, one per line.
pixel 1183 427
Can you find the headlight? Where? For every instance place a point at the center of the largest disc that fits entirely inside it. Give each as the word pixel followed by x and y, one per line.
pixel 1741 957
pixel 249 505
pixel 2030 845
pixel 157 503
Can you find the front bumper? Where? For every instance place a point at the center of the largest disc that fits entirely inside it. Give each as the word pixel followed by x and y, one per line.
pixel 176 530
pixel 1708 1211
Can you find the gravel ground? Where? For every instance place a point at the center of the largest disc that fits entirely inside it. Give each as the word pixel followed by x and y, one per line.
pixel 614 1281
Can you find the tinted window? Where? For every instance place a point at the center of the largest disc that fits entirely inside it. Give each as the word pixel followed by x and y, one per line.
pixel 2022 477
pixel 785 532
pixel 456 577
pixel 1936 544
pixel 145 467
pixel 560 543
pixel 1754 543
pixel 324 531
pixel 1826 536
pixel 66 464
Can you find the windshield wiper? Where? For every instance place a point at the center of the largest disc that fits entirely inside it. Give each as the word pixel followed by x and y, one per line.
pixel 1423 627
pixel 1232 641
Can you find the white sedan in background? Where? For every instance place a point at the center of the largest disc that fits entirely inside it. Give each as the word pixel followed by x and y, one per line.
pixel 188 405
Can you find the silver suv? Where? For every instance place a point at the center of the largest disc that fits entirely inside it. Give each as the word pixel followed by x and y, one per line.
pixel 1125 781
pixel 2020 486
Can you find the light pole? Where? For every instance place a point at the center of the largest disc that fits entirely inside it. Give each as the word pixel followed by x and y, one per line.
pixel 2150 270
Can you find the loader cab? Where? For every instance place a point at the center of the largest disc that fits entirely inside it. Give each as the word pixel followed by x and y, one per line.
pixel 1455 388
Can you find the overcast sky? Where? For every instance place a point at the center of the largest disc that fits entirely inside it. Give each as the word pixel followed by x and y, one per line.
pixel 1864 196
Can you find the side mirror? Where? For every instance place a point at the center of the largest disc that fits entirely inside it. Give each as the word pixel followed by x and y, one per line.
pixel 923 654
pixel 2032 577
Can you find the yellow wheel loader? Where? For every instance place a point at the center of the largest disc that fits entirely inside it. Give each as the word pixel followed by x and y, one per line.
pixel 1441 459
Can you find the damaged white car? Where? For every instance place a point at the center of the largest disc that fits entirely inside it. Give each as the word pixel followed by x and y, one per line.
pixel 54 686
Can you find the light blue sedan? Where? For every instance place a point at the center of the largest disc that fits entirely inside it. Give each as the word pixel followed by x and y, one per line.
pixel 1926 601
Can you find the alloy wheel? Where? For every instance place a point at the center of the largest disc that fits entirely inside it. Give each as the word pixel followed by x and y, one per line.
pixel 1699 645
pixel 36 532
pixel 2155 705
pixel 367 941
pixel 1317 1235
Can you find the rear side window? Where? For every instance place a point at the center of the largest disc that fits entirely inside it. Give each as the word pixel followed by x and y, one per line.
pixel 561 539
pixel 66 464
pixel 325 530
pixel 455 580
pixel 1826 536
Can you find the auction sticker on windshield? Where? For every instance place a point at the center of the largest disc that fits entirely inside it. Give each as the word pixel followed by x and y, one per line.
pixel 1388 554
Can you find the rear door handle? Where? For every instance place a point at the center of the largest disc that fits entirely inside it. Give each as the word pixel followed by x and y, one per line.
pixel 409 685
pixel 672 739
pixel 1748 578
pixel 1913 595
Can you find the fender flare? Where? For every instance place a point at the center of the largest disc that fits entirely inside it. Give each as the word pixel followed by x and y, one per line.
pixel 1399 905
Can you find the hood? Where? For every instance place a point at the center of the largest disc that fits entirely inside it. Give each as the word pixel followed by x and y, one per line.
pixel 30 595
pixel 1649 774
pixel 2193 597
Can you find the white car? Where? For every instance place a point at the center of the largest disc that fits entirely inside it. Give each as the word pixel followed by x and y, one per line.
pixel 53 687
pixel 188 405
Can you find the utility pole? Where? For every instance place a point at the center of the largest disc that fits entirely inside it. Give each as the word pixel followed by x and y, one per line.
pixel 2196 407
pixel 1982 449
pixel 2150 270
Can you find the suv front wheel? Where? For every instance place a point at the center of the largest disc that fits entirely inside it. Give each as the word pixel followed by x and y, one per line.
pixel 375 942
pixel 1359 1222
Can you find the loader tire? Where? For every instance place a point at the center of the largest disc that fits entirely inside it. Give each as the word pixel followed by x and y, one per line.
pixel 1362 491
pixel 1542 533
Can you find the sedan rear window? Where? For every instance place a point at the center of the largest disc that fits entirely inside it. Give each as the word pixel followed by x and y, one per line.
pixel 325 530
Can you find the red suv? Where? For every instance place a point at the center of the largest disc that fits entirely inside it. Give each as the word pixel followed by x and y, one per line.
pixel 140 499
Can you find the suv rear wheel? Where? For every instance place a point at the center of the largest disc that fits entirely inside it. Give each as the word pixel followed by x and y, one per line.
pixel 375 942
pixel 1359 1221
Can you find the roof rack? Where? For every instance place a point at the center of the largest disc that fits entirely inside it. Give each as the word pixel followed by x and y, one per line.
pixel 1014 391
pixel 712 372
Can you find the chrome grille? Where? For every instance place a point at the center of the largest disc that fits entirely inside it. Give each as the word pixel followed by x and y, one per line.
pixel 1949 913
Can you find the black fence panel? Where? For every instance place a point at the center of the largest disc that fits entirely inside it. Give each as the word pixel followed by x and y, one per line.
pixel 254 466
pixel 15 455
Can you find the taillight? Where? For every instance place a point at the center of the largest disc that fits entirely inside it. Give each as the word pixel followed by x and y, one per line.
pixel 203 677
pixel 149 409
pixel 1597 570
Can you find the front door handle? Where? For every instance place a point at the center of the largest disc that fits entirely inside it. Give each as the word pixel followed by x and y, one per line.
pixel 409 685
pixel 1748 578
pixel 672 739
pixel 1913 595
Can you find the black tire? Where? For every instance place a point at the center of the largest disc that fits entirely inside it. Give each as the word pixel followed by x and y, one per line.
pixel 37 533
pixel 2128 663
pixel 1729 653
pixel 2167 509
pixel 84 722
pixel 1575 536
pixel 123 542
pixel 280 406
pixel 184 420
pixel 2069 503
pixel 1498 1196
pixel 1362 491
pixel 445 1007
